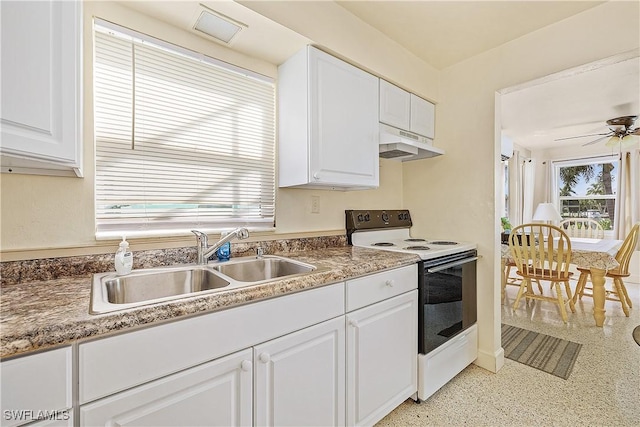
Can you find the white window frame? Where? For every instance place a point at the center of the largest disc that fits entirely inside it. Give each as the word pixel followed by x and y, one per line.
pixel 555 180
pixel 200 214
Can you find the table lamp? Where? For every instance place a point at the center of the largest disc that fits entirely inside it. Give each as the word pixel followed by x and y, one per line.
pixel 546 212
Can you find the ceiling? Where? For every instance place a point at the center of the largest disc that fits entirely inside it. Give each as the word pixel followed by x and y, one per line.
pixel 575 102
pixel 443 33
pixel 446 32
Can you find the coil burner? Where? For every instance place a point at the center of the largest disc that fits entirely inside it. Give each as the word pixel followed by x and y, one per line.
pixel 414 240
pixel 417 248
pixel 383 244
pixel 443 243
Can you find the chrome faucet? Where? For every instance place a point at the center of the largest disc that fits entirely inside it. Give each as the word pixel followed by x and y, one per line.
pixel 205 251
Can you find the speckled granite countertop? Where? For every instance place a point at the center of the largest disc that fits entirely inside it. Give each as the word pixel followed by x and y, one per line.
pixel 43 314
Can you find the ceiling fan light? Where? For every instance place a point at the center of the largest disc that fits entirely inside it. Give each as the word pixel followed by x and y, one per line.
pixel 628 140
pixel 613 141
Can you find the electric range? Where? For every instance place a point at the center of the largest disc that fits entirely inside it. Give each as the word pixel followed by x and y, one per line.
pixel 447 294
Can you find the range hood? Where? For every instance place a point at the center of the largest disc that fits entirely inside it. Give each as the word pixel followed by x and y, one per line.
pixel 402 145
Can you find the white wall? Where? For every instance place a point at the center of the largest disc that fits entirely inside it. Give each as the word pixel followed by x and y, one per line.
pixel 455 195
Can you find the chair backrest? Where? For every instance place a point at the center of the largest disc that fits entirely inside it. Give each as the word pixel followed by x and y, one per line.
pixel 628 246
pixel 540 250
pixel 582 227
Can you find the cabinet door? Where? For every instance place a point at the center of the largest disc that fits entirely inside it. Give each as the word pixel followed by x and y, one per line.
pixel 344 123
pixel 395 105
pixel 36 383
pixel 382 357
pixel 217 393
pixel 422 117
pixel 300 377
pixel 41 75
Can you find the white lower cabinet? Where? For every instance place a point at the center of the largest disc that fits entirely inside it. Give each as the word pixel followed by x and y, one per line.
pixel 218 393
pixel 37 387
pixel 300 378
pixel 382 351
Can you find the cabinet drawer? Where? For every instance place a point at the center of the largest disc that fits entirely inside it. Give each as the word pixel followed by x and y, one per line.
pixel 35 384
pixel 442 364
pixel 380 286
pixel 113 364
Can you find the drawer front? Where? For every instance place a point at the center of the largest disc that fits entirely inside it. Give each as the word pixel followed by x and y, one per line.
pixel 113 364
pixel 438 367
pixel 217 393
pixel 36 385
pixel 380 286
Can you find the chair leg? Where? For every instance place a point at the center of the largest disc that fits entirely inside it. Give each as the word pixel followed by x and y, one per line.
pixel 505 279
pixel 563 311
pixel 539 286
pixel 582 282
pixel 624 291
pixel 525 284
pixel 569 297
pixel 621 296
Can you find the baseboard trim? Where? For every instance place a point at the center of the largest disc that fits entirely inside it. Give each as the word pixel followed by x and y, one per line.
pixel 490 361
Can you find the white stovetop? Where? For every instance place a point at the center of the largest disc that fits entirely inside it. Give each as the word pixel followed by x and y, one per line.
pixel 398 238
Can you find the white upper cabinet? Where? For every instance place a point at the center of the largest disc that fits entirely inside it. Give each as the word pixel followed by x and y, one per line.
pixel 395 106
pixel 41 87
pixel 423 114
pixel 406 111
pixel 328 123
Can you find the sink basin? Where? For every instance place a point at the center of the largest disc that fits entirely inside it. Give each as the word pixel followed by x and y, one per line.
pixel 111 292
pixel 145 287
pixel 260 269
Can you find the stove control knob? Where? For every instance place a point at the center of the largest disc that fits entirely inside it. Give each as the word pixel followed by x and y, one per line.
pixel 366 217
pixel 385 217
pixel 360 218
pixel 405 216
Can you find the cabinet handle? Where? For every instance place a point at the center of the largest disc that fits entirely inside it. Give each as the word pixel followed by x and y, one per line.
pixel 389 283
pixel 316 176
pixel 354 323
pixel 264 357
pixel 245 365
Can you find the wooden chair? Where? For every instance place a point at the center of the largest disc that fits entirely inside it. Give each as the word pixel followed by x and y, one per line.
pixel 619 291
pixel 582 227
pixel 542 252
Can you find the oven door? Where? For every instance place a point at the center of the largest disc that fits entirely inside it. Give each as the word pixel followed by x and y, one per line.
pixel 447 299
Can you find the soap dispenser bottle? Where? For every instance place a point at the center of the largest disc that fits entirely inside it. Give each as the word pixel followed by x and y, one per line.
pixel 224 252
pixel 124 258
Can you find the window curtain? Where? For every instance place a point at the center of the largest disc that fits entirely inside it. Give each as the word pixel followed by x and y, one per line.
pixel 527 192
pixel 627 203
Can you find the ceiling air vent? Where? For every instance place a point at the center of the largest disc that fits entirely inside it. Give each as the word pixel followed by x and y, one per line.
pixel 219 27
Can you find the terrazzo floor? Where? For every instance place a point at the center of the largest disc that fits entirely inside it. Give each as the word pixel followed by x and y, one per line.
pixel 602 390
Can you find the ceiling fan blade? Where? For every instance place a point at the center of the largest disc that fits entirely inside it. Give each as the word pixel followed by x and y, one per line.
pixel 583 136
pixel 596 140
pixel 634 132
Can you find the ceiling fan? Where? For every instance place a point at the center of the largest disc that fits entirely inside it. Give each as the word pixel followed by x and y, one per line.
pixel 621 130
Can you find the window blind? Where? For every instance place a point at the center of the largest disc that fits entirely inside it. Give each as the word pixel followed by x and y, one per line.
pixel 180 143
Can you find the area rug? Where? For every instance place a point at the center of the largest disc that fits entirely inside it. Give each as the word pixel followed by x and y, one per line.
pixel 546 353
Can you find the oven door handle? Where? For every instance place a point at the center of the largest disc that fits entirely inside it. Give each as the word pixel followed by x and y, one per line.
pixel 453 264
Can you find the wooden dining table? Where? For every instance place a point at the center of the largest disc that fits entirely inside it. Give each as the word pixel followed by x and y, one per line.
pixel 599 256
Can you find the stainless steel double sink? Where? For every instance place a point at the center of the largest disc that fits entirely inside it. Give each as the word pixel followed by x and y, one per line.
pixel 111 292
